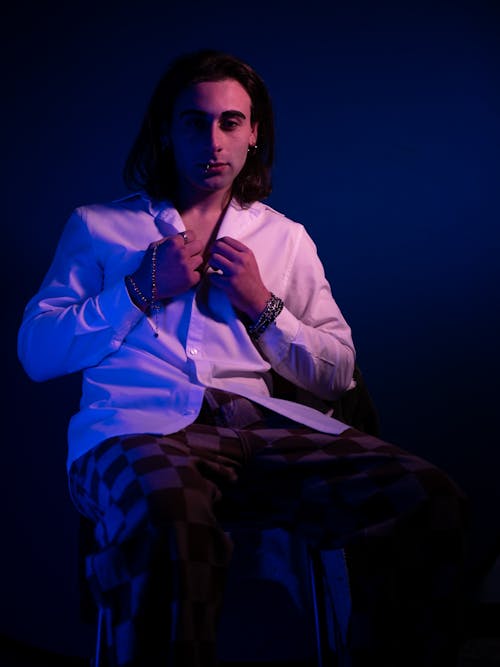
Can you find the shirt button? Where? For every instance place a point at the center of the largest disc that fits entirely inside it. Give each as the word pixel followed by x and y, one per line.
pixel 193 351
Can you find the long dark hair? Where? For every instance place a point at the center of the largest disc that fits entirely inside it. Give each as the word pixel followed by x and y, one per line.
pixel 150 166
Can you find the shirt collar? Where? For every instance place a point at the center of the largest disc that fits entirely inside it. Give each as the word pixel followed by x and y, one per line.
pixel 169 221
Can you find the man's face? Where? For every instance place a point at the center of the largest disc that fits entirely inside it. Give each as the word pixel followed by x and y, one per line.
pixel 210 135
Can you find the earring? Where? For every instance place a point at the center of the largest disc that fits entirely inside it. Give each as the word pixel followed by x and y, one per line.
pixel 253 148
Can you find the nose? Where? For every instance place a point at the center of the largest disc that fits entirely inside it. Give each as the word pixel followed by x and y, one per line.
pixel 215 137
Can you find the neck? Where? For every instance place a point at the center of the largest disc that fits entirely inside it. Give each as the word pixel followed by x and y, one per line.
pixel 202 203
pixel 203 216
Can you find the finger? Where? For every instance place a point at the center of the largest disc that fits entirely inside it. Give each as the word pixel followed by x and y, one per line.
pixel 214 271
pixel 195 278
pixel 220 264
pixel 182 238
pixel 193 248
pixel 187 236
pixel 190 248
pixel 233 243
pixel 216 276
pixel 224 250
pixel 195 262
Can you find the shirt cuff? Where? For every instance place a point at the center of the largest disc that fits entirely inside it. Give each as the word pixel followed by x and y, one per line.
pixel 118 309
pixel 276 340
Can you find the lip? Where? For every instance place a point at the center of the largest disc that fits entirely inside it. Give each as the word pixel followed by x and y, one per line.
pixel 213 166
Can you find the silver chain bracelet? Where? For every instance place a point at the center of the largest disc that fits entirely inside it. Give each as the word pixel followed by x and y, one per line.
pixel 272 309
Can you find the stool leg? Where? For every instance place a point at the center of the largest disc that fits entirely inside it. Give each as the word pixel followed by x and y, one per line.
pixel 332 604
pixel 101 618
pixel 315 577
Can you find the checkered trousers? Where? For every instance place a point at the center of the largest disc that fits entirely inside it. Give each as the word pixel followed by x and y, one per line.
pixel 159 504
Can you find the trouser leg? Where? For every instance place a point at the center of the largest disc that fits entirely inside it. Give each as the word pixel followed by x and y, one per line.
pixel 401 521
pixel 162 560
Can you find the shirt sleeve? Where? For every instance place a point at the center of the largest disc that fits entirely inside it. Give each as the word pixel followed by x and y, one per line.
pixel 310 342
pixel 73 322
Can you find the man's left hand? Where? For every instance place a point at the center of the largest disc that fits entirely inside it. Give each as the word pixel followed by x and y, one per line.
pixel 233 269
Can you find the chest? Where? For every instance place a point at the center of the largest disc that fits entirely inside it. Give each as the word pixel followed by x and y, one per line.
pixel 204 230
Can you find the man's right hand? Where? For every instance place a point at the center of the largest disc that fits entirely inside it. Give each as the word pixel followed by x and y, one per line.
pixel 177 259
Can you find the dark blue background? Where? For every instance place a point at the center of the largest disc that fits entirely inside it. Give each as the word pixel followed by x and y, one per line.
pixel 388 142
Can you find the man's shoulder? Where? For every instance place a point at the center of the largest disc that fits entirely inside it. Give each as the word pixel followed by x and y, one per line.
pixel 131 202
pixel 272 214
pixel 105 219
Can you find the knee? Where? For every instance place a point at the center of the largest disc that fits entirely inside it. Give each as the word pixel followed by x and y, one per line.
pixel 450 506
pixel 444 515
pixel 155 501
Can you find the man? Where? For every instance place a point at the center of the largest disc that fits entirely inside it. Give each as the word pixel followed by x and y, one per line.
pixel 180 304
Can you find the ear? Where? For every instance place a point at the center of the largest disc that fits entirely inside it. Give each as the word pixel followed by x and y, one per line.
pixel 254 134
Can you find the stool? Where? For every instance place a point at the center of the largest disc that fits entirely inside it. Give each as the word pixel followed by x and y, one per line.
pixel 281 578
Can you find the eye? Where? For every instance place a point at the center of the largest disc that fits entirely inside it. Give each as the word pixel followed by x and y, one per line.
pixel 195 122
pixel 229 124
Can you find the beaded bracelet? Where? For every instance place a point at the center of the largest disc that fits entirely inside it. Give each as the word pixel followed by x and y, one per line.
pixel 272 309
pixel 155 304
pixel 135 288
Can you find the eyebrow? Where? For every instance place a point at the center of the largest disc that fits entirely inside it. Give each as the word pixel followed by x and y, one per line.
pixel 224 114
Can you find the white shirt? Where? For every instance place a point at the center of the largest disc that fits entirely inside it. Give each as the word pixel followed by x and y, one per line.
pixel 82 319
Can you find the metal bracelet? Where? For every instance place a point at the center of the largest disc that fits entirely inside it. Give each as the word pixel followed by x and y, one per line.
pixel 135 288
pixel 272 309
